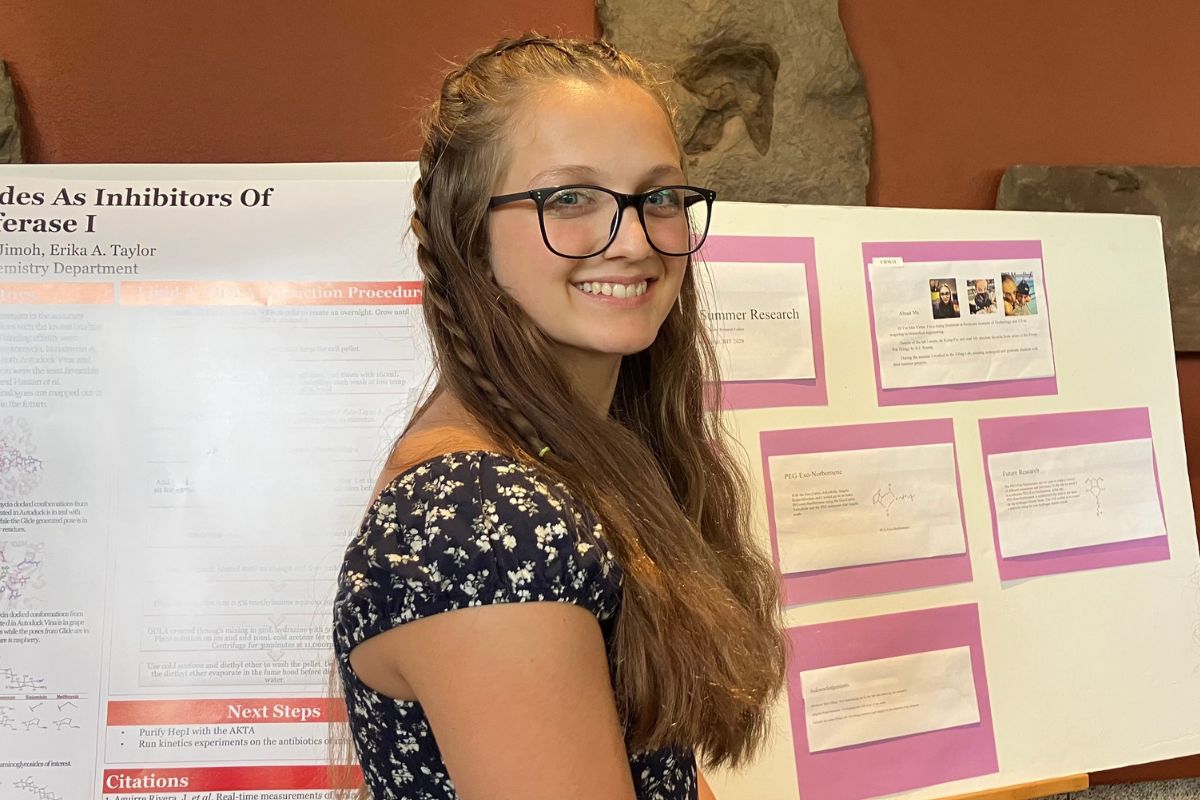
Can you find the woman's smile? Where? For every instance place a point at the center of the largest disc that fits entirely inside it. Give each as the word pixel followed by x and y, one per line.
pixel 618 292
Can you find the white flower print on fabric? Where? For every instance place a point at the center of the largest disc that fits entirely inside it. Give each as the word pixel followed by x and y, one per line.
pixel 468 529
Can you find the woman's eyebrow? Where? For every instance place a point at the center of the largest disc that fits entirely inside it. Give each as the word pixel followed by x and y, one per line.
pixel 581 172
pixel 558 173
pixel 661 171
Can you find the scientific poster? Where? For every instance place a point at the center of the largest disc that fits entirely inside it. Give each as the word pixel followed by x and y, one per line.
pixel 886 703
pixel 197 378
pixel 856 510
pixel 1073 491
pixel 958 320
pixel 761 304
pixel 956 337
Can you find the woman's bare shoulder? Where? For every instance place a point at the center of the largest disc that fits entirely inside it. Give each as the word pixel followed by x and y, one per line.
pixel 442 426
pixel 426 442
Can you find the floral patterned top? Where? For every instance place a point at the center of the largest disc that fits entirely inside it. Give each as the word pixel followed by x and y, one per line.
pixel 467 529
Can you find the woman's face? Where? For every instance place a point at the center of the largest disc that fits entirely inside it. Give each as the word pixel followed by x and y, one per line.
pixel 614 135
pixel 1010 290
pixel 945 295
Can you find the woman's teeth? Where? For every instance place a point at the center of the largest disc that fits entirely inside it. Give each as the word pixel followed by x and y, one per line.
pixel 614 289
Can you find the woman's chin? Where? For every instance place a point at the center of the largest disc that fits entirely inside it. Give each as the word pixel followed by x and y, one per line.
pixel 616 346
pixel 626 345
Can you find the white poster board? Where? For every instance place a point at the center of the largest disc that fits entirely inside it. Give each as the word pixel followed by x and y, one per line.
pixel 197 397
pixel 1086 652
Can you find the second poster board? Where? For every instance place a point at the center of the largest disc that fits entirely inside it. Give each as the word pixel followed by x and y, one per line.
pixel 1013 375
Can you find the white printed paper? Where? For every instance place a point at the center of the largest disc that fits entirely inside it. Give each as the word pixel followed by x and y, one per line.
pixel 868 701
pixel 850 507
pixel 199 380
pixel 946 323
pixel 761 325
pixel 1065 497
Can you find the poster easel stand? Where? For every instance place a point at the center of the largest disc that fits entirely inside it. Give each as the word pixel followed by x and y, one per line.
pixel 1029 791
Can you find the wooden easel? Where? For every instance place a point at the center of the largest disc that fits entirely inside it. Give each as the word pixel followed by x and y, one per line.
pixel 1029 791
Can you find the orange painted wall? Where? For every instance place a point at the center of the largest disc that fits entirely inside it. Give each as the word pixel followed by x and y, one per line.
pixel 245 80
pixel 959 90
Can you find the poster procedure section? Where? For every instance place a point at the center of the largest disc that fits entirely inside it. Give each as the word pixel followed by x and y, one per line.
pixel 864 509
pixel 886 704
pixel 767 324
pixel 958 321
pixel 1073 491
pixel 200 376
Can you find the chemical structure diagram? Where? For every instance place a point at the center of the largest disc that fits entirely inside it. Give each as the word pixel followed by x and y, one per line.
pixel 20 571
pixel 20 470
pixel 13 460
pixel 44 715
pixel 13 681
pixel 886 498
pixel 1095 487
pixel 35 790
pixel 26 704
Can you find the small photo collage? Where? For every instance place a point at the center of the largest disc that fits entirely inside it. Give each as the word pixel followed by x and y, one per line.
pixel 1017 296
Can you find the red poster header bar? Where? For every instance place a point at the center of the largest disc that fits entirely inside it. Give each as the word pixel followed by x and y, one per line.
pixel 229 779
pixel 233 711
pixel 57 293
pixel 271 293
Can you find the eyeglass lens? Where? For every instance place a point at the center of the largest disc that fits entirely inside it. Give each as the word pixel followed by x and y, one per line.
pixel 579 221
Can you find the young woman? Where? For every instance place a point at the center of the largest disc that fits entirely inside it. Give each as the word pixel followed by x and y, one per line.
pixel 945 307
pixel 554 594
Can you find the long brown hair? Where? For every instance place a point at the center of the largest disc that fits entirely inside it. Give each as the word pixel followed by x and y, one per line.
pixel 698 653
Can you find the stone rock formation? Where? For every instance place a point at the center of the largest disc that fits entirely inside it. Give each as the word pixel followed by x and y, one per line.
pixel 10 129
pixel 772 106
pixel 1172 193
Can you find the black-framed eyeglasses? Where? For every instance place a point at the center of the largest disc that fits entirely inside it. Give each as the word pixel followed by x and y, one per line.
pixel 582 220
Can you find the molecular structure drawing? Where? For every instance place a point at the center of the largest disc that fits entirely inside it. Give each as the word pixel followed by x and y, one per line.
pixel 1095 487
pixel 13 460
pixel 35 790
pixel 20 571
pixel 20 470
pixel 14 681
pixel 10 722
pixel 886 498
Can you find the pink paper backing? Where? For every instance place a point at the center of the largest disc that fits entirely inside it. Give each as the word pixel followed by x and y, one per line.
pixel 1014 434
pixel 775 250
pixel 865 579
pixel 906 762
pixel 916 252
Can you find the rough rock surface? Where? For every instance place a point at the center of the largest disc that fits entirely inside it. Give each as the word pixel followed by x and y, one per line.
pixel 1188 789
pixel 772 104
pixel 1172 193
pixel 10 129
